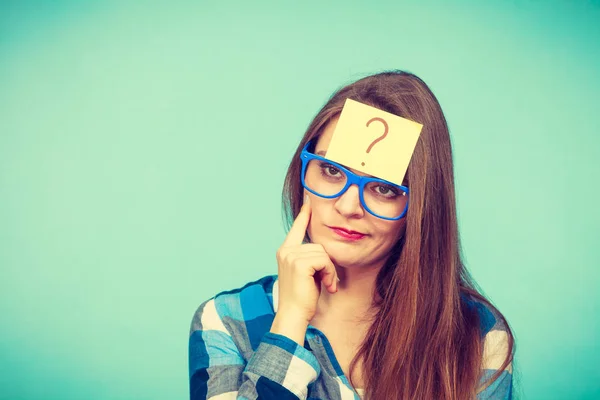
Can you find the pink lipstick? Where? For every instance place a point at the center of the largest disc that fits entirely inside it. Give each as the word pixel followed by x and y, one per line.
pixel 347 234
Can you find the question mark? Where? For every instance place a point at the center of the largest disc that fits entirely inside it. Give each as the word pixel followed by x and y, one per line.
pixel 380 137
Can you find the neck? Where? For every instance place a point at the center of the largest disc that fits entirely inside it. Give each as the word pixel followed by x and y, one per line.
pixel 353 301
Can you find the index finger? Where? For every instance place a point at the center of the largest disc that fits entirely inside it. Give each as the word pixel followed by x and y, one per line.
pixel 298 230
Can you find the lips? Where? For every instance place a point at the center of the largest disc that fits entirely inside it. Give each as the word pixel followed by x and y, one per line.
pixel 348 231
pixel 347 234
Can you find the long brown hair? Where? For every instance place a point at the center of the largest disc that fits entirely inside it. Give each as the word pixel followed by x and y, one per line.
pixel 424 342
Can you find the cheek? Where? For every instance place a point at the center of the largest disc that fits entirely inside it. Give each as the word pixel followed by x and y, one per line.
pixel 315 223
pixel 400 227
pixel 390 232
pixel 316 226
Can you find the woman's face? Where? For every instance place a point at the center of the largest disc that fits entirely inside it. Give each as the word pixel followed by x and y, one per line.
pixel 347 212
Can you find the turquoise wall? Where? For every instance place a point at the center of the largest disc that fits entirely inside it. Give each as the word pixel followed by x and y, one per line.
pixel 143 150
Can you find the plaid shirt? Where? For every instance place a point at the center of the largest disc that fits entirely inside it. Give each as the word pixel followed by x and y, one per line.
pixel 232 354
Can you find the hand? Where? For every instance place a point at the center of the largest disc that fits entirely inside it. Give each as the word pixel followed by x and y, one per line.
pixel 302 267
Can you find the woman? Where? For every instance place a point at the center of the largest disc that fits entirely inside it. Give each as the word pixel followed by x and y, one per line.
pixel 371 298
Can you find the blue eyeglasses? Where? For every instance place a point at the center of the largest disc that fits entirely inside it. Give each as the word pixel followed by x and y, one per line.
pixel 329 180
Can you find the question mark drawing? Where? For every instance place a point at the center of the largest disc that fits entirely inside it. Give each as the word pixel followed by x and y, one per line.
pixel 380 137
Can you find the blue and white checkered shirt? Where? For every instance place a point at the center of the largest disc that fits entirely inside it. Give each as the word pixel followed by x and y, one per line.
pixel 232 354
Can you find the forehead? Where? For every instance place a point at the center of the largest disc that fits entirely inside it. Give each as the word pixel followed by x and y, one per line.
pixel 326 135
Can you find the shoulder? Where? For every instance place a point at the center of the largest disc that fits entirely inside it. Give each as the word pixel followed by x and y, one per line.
pixel 490 319
pixel 240 304
pixel 496 336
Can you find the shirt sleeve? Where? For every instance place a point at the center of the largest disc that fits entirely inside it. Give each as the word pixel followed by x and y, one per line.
pixel 278 369
pixel 495 352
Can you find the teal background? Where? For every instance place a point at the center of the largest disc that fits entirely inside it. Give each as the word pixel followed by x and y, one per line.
pixel 143 149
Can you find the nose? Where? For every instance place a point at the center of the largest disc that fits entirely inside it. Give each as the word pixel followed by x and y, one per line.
pixel 348 204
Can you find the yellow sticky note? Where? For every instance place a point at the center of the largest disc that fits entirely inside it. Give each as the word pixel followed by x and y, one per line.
pixel 373 141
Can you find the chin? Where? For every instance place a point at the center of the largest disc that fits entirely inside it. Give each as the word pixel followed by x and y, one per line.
pixel 343 254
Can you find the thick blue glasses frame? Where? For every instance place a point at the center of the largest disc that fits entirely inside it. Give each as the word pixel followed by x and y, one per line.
pixel 360 181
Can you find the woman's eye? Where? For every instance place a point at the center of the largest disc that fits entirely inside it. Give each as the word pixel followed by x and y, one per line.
pixel 387 191
pixel 330 169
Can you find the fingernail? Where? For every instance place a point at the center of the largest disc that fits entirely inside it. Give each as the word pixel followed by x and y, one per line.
pixel 337 278
pixel 306 198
